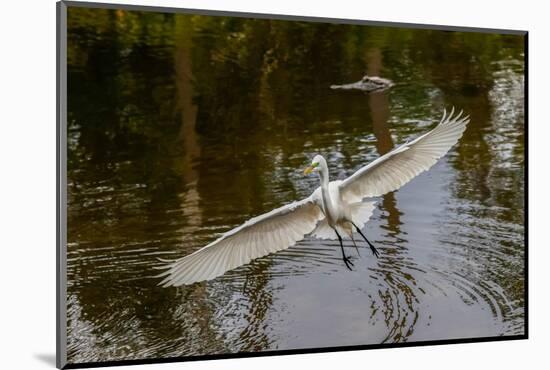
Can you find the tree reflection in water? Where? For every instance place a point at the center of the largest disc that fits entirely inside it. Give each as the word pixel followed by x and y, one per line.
pixel 182 127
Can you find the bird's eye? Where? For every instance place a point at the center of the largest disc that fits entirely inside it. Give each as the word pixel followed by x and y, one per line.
pixel 314 164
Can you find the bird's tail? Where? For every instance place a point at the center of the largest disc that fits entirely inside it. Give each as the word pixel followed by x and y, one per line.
pixel 361 212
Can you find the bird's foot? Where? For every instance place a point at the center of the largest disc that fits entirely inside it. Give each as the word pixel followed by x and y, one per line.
pixel 348 262
pixel 374 250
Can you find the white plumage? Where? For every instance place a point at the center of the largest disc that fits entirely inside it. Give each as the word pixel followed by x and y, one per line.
pixel 333 209
pixel 397 167
pixel 257 237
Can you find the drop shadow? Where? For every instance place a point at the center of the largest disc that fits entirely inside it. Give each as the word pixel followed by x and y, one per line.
pixel 47 358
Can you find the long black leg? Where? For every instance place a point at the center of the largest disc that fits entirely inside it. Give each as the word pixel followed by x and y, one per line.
pixel 346 259
pixel 245 284
pixel 356 247
pixel 372 248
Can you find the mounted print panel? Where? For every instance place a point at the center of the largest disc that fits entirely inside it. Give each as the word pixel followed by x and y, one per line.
pixel 237 185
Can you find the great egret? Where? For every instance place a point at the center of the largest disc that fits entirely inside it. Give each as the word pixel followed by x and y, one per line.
pixel 332 210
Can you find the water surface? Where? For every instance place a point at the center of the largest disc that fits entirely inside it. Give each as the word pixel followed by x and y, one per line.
pixel 183 127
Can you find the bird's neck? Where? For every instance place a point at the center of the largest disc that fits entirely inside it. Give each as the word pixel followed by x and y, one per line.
pixel 324 177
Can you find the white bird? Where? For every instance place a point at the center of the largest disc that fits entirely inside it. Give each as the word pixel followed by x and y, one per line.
pixel 333 210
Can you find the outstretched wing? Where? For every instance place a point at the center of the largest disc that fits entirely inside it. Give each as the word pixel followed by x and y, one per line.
pixel 257 237
pixel 394 169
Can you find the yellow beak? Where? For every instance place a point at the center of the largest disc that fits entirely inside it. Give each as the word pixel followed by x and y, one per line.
pixel 308 170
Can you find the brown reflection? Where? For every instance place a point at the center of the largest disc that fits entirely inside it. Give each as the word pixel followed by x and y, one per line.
pixel 380 112
pixel 188 111
pixel 190 198
pixel 400 315
pixel 251 338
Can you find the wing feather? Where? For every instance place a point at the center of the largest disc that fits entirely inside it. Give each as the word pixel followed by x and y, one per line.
pixel 259 236
pixel 396 168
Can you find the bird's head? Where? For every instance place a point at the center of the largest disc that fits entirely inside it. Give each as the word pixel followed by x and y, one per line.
pixel 316 165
